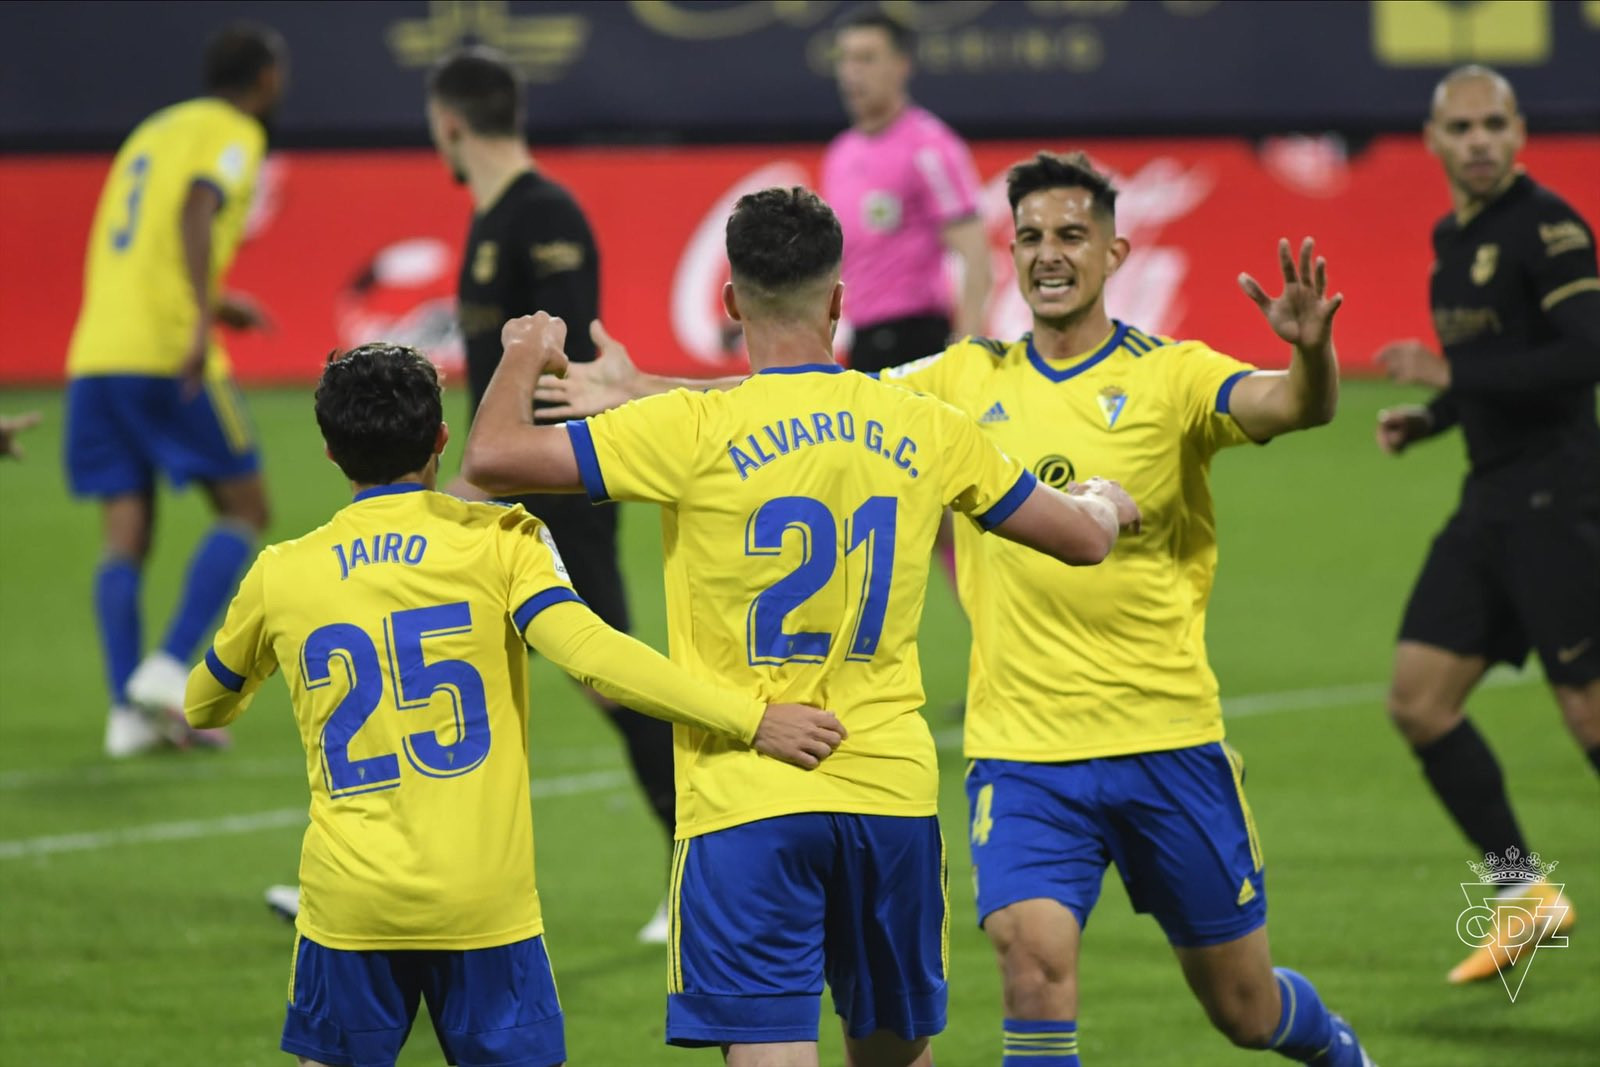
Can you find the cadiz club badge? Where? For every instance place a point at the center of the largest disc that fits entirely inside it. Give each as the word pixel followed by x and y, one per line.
pixel 1112 401
pixel 1483 265
pixel 483 263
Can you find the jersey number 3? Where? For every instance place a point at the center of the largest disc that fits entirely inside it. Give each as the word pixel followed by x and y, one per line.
pixel 414 682
pixel 871 525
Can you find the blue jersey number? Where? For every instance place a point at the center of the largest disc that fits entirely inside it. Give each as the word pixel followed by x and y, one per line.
pixel 872 525
pixel 414 681
pixel 138 172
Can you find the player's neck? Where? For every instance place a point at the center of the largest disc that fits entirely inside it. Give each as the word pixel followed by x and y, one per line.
pixel 427 477
pixel 1467 205
pixel 786 344
pixel 1072 336
pixel 492 166
pixel 881 120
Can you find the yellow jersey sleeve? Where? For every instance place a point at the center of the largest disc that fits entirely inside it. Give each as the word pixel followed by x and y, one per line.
pixel 536 577
pixel 947 374
pixel 644 450
pixel 240 658
pixel 979 479
pixel 1204 380
pixel 226 155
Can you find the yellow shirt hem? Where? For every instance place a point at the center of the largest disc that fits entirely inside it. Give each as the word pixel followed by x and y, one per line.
pixel 906 809
pixel 450 942
pixel 1062 754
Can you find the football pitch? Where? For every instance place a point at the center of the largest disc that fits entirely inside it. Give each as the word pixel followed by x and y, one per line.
pixel 132 929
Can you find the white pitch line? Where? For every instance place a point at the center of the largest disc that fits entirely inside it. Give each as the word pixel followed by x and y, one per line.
pixel 192 829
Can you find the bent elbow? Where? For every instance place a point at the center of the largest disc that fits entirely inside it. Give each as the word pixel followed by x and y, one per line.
pixel 1088 548
pixel 480 465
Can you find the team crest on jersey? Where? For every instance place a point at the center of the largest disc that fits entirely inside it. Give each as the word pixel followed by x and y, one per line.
pixel 1484 263
pixel 880 211
pixel 1112 401
pixel 484 261
pixel 1055 471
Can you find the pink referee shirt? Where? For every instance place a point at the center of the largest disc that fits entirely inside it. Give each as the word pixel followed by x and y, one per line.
pixel 894 191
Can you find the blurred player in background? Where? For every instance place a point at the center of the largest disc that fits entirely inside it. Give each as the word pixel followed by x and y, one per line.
pixel 905 189
pixel 418 872
pixel 1516 305
pixel 149 385
pixel 798 511
pixel 530 248
pixel 1093 718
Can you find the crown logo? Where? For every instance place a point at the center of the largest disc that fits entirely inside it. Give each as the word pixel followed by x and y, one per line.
pixel 1513 867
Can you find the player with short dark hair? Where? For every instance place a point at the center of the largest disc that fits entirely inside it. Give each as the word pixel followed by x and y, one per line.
pixel 149 386
pixel 1516 306
pixel 1093 722
pixel 397 624
pixel 531 248
pixel 798 511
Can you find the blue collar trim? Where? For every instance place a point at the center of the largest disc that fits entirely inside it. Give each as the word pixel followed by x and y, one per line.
pixel 804 368
pixel 1112 344
pixel 390 489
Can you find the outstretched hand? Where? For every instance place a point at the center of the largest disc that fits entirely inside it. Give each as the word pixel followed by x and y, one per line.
pixel 10 427
pixel 1303 313
pixel 1410 362
pixel 589 388
pixel 798 734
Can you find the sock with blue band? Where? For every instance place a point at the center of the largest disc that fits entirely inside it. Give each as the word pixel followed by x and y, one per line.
pixel 1307 1032
pixel 1040 1043
pixel 214 572
pixel 116 609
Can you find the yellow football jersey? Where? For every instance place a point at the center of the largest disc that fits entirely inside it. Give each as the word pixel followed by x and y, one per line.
pixel 1077 662
pixel 138 311
pixel 399 627
pixel 798 514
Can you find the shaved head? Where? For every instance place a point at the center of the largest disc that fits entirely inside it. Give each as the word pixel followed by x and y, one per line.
pixel 1476 132
pixel 1473 73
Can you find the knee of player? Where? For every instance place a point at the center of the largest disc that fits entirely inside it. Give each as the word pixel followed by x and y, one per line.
pixel 1245 1019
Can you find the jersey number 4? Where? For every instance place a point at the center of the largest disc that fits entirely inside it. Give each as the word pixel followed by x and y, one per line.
pixel 871 525
pixel 414 682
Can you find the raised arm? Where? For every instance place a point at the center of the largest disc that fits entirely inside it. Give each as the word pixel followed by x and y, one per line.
pixel 1268 403
pixel 610 381
pixel 506 452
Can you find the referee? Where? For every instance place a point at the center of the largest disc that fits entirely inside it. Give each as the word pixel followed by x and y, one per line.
pixel 1516 306
pixel 530 249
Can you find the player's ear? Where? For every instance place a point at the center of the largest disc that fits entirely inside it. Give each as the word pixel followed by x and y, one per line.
pixel 730 303
pixel 442 439
pixel 836 303
pixel 1117 254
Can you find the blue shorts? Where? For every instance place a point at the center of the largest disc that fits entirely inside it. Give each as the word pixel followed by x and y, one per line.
pixel 491 1007
pixel 1175 823
pixel 122 428
pixel 762 913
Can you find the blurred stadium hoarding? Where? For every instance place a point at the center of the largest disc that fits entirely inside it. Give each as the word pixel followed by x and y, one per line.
pixel 697 70
pixel 356 246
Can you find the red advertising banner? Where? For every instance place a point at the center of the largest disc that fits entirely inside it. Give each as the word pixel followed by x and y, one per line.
pixel 355 246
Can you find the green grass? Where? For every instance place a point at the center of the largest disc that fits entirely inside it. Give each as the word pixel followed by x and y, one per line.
pixel 162 953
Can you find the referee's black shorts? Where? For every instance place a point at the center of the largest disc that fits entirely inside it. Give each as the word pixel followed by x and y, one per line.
pixel 888 344
pixel 1495 585
pixel 586 535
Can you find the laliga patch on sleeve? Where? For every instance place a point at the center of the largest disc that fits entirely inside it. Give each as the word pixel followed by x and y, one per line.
pixel 231 163
pixel 555 553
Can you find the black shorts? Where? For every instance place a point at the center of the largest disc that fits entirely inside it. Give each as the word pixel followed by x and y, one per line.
pixel 586 535
pixel 1496 586
pixel 889 344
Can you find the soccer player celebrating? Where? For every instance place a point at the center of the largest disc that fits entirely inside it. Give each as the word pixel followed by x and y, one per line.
pixel 149 386
pixel 1093 719
pixel 1516 304
pixel 798 512
pixel 905 188
pixel 530 248
pixel 399 623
